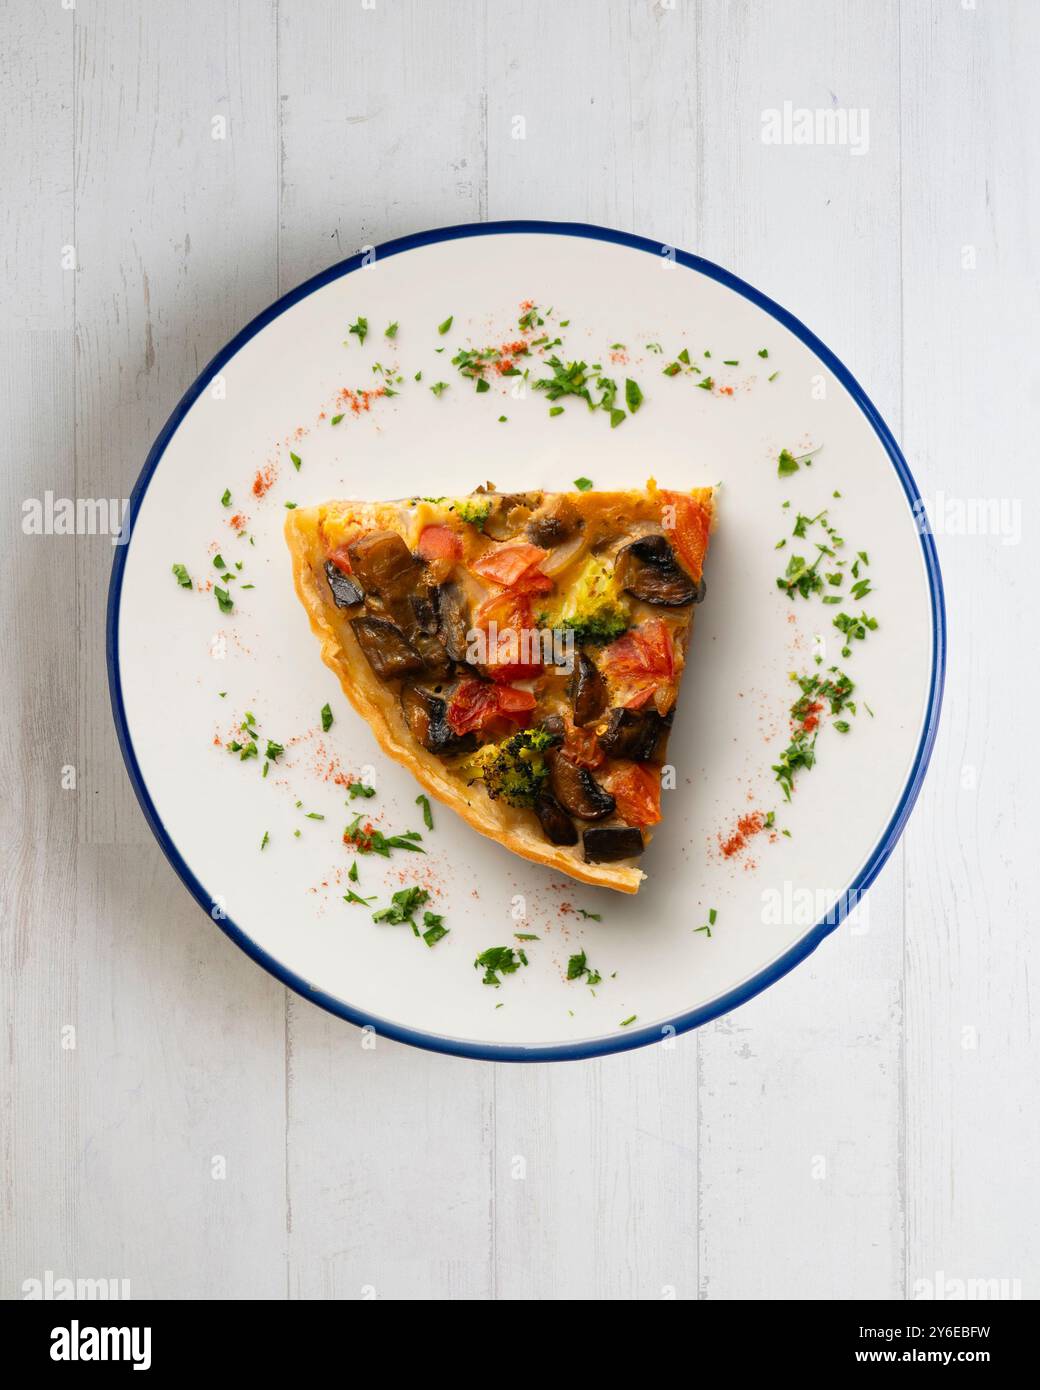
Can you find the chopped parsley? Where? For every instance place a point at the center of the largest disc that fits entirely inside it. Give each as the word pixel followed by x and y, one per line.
pixel 369 840
pixel 833 689
pixel 391 330
pixel 578 966
pixel 583 484
pixel 499 960
pixel 362 789
pixel 183 577
pixel 788 463
pixel 439 387
pixel 326 718
pixel 360 329
pixel 442 328
pixel 854 629
pixel 435 928
pixel 633 395
pixel 265 841
pixel 427 814
pixel 296 460
pixel 224 600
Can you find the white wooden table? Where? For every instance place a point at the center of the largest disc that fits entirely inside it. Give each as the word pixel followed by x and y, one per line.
pixel 870 1126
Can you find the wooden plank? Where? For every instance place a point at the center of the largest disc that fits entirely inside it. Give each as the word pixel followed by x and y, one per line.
pixel 178 1175
pixel 382 116
pixel 971 286
pixel 389 1178
pixel 37 677
pixel 800 1158
pixel 175 240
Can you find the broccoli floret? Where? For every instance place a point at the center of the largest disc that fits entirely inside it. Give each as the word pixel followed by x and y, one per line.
pixel 476 513
pixel 594 609
pixel 515 769
pixel 605 625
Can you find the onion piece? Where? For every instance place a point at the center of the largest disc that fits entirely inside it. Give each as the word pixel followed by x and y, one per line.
pixel 565 553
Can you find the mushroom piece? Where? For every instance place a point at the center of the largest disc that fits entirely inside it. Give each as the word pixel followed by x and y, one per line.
pixel 555 822
pixel 554 523
pixel 577 790
pixel 384 565
pixel 437 664
pixel 632 734
pixel 648 570
pixel 453 622
pixel 425 606
pixel 387 650
pixel 606 844
pixel 427 717
pixel 588 690
pixel 346 591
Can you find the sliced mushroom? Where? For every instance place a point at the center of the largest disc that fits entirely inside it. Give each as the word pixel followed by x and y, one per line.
pixel 453 622
pixel 577 790
pixel 384 565
pixel 606 844
pixel 387 649
pixel 437 664
pixel 555 822
pixel 427 718
pixel 425 606
pixel 648 570
pixel 632 733
pixel 588 690
pixel 346 591
pixel 554 523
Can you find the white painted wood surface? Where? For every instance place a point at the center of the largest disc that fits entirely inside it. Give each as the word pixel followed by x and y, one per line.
pixel 867 1123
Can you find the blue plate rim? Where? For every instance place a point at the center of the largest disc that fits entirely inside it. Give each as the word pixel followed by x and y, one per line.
pixel 615 1042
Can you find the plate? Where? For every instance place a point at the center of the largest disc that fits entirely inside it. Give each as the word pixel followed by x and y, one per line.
pixel 723 913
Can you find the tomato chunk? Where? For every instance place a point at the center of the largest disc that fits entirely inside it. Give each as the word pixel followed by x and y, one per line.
pixel 640 666
pixel 637 790
pixel 474 704
pixel 440 543
pixel 513 566
pixel 341 559
pixel 508 624
pixel 687 522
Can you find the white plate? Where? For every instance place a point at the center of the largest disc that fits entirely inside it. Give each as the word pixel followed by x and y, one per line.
pixel 171 651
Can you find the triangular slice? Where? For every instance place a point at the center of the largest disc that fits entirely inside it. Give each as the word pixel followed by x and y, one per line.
pixel 520 653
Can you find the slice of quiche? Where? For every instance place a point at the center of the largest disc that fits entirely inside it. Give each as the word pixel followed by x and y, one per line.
pixel 520 653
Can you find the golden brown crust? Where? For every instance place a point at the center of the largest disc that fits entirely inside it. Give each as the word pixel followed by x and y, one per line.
pixel 309 533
